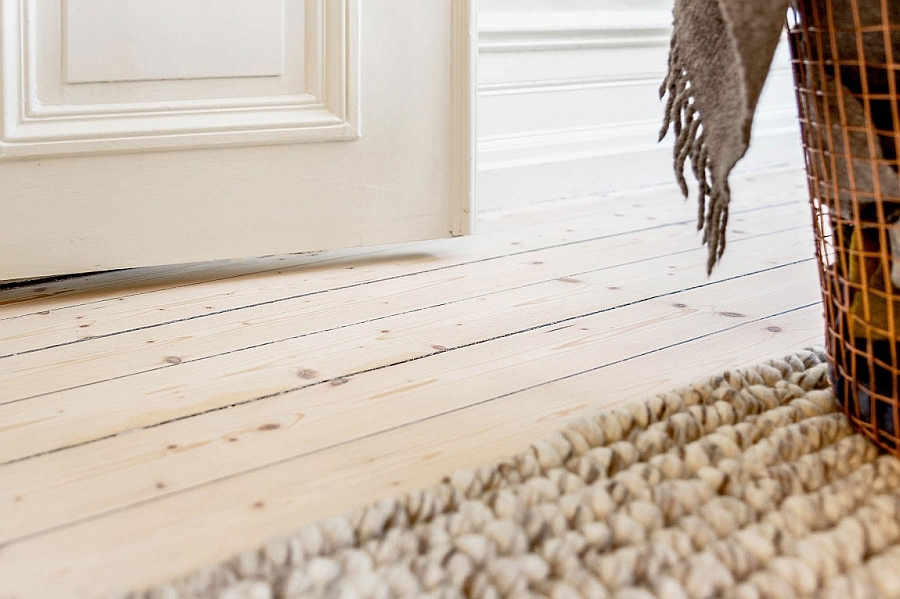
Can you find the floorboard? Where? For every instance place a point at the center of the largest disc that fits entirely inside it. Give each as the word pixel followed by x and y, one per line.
pixel 167 417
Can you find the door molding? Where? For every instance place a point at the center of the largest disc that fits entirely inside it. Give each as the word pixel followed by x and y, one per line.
pixel 568 103
pixel 313 97
pixel 463 83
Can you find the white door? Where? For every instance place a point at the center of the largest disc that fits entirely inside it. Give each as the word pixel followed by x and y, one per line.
pixel 139 132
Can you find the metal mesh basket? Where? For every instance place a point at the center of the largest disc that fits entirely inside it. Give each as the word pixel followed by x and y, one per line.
pixel 846 60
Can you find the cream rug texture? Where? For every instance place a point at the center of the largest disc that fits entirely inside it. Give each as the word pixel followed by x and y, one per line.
pixel 746 485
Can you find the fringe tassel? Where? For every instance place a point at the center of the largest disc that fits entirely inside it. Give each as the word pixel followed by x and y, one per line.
pixel 682 117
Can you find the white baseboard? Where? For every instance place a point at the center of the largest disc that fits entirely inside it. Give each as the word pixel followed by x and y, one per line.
pixel 568 107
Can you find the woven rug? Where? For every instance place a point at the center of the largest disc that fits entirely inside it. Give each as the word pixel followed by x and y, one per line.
pixel 745 485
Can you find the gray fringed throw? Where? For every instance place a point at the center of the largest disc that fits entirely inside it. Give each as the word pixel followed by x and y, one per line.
pixel 719 59
pixel 718 62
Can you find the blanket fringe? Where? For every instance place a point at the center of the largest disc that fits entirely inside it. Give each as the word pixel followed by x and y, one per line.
pixel 682 116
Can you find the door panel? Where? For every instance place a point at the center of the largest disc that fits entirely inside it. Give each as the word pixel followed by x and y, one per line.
pixel 120 41
pixel 138 133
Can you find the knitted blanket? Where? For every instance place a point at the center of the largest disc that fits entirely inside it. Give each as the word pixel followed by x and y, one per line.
pixel 744 485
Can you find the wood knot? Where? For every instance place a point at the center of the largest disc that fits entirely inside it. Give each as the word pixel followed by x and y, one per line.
pixel 307 373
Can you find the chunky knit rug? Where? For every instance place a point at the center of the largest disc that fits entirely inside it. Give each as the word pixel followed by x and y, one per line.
pixel 744 485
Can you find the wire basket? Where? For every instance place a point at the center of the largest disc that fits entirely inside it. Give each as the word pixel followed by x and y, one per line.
pixel 846 61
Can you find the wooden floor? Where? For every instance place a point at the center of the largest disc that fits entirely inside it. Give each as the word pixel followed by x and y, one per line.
pixel 157 419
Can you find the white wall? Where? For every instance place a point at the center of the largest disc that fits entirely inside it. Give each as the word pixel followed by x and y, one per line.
pixel 568 103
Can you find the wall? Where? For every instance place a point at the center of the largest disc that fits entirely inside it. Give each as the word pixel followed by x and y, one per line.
pixel 568 103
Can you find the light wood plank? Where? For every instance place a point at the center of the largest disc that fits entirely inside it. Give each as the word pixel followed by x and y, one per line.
pixel 29 332
pixel 26 298
pixel 89 321
pixel 21 298
pixel 144 349
pixel 81 414
pixel 409 405
pixel 50 490
pixel 748 191
pixel 183 531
